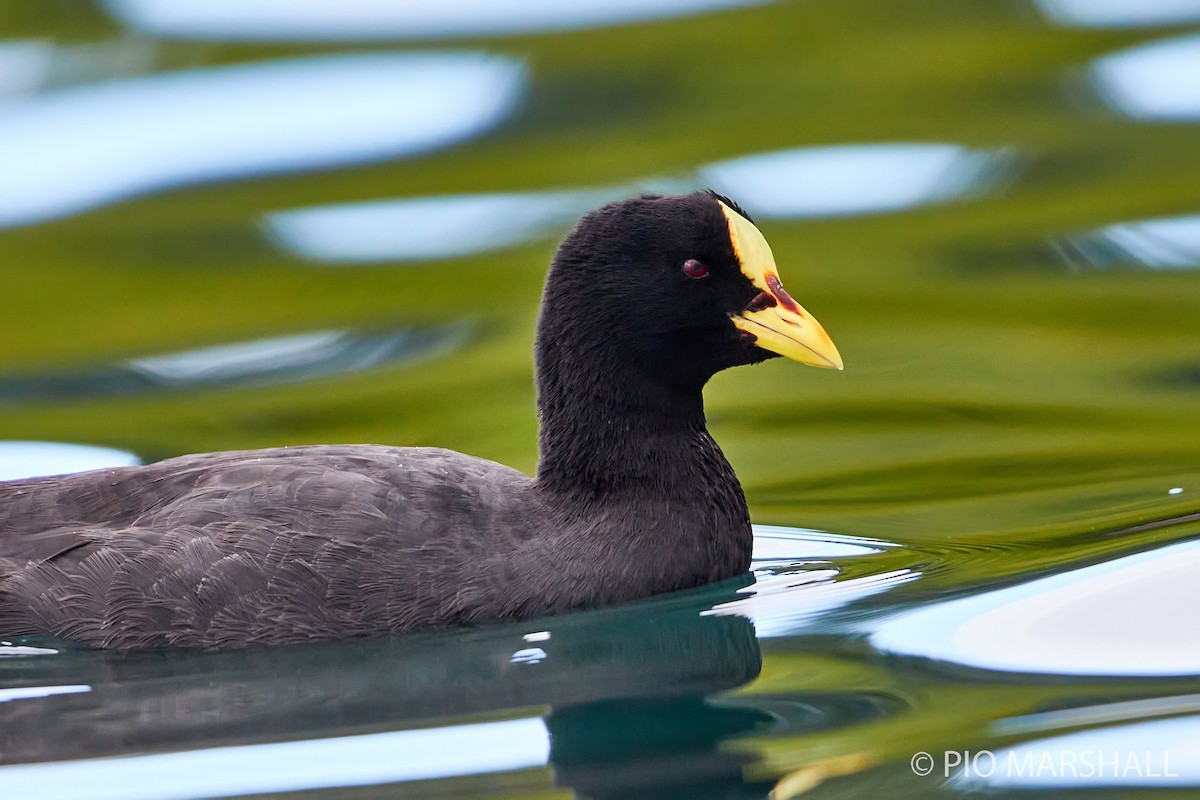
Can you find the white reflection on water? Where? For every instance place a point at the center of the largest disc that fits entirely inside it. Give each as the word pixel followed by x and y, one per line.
pixel 36 692
pixel 39 459
pixel 10 650
pixel 785 605
pixel 796 580
pixel 843 180
pixel 778 546
pixel 1171 243
pixel 230 363
pixel 1156 81
pixel 786 184
pixel 1120 13
pixel 426 227
pixel 280 359
pixel 74 149
pixel 1160 753
pixel 1122 617
pixel 319 20
pixel 299 357
pixel 288 766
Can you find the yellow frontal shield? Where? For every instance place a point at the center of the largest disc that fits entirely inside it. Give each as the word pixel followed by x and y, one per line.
pixel 777 322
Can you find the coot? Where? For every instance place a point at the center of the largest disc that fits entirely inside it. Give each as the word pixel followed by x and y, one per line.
pixel 646 300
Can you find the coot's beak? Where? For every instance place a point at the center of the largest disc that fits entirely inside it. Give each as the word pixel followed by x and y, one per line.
pixel 776 321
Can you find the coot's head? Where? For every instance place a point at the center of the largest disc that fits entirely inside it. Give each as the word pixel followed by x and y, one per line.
pixel 678 288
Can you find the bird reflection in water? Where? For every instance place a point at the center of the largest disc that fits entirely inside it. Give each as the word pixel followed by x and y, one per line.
pixel 629 698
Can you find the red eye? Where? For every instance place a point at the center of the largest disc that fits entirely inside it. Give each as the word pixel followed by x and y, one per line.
pixel 694 269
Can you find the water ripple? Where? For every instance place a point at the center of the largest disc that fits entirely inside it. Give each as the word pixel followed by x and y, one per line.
pixel 1119 617
pixel 279 359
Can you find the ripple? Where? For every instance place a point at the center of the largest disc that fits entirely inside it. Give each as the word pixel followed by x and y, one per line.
pixel 1155 81
pixel 289 766
pixel 40 459
pixel 798 578
pixel 1165 243
pixel 75 149
pixel 787 605
pixel 265 20
pixel 1115 619
pixel 281 359
pixel 1185 377
pixel 1080 716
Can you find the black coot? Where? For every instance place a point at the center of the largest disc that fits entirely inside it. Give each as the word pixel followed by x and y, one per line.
pixel 646 300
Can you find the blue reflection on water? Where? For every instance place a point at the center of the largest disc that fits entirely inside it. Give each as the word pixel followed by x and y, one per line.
pixel 38 459
pixel 1116 618
pixel 805 182
pixel 1170 243
pixel 427 227
pixel 318 20
pixel 1120 13
pixel 1156 81
pixel 73 149
pixel 24 66
pixel 844 180
pixel 289 766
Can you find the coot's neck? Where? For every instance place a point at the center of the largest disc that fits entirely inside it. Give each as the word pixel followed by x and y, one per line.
pixel 611 427
pixel 629 459
pixel 606 428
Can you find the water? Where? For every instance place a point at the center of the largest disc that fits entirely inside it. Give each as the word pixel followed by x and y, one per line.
pixel 237 225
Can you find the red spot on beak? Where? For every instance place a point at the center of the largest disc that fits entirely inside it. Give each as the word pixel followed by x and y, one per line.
pixel 781 294
pixel 762 300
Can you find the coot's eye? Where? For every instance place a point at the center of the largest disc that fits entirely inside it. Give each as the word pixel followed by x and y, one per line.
pixel 694 269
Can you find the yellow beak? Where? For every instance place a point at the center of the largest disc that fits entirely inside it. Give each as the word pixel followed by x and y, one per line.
pixel 774 319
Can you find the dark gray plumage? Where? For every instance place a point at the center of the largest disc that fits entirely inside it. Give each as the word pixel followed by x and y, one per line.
pixel 633 497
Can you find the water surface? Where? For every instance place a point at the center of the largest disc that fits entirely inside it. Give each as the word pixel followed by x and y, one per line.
pixel 234 226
